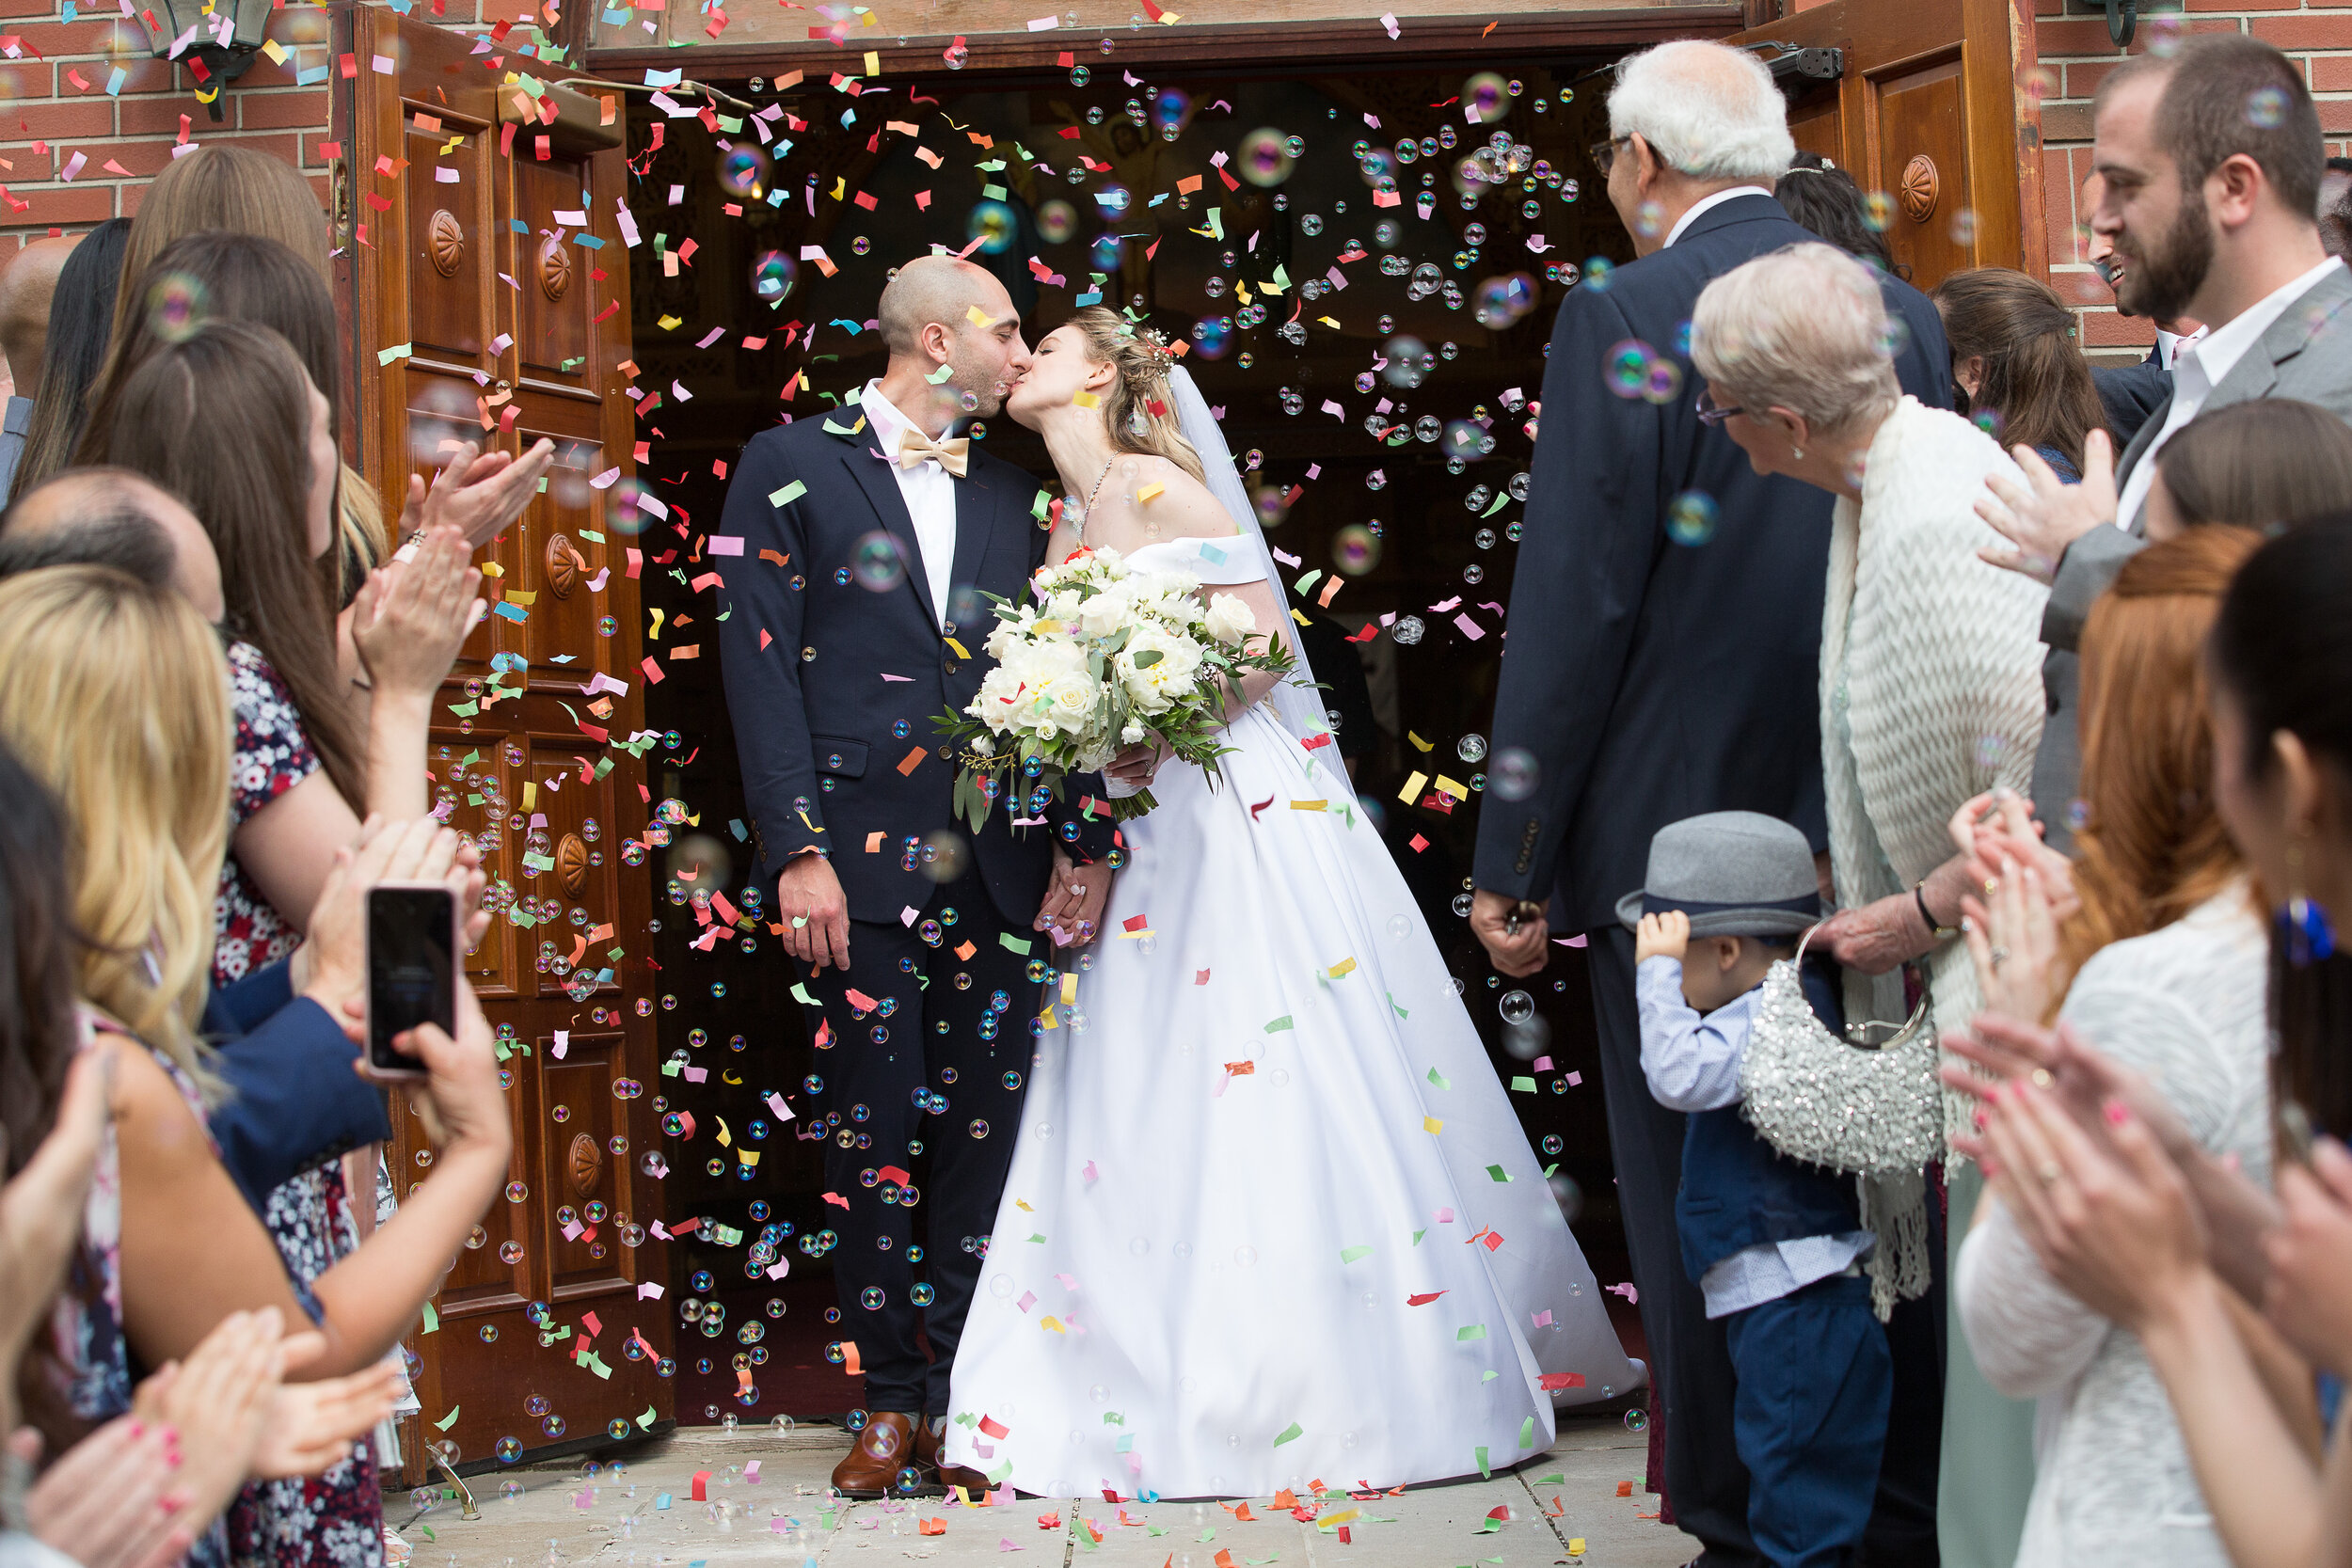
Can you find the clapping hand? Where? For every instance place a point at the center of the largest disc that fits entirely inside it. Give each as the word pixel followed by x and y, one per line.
pixel 479 492
pixel 2309 1296
pixel 2003 1053
pixel 114 1500
pixel 410 619
pixel 2112 1220
pixel 2013 939
pixel 2042 520
pixel 330 966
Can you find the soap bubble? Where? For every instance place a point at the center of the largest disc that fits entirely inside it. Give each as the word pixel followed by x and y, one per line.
pixel 743 171
pixel 1503 299
pixel 1471 748
pixel 508 1449
pixel 1637 1420
pixel 1355 550
pixel 1265 157
pixel 773 273
pixel 1627 368
pixel 1567 1193
pixel 994 225
pixel 1488 96
pixel 2265 108
pixel 1408 359
pixel 1407 629
pixel 176 308
pixel 1516 1006
pixel 1114 199
pixel 1514 774
pixel 1057 221
pixel 877 563
pixel 1691 518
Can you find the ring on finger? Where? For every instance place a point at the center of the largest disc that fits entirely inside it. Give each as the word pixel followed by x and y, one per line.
pixel 2000 956
pixel 2049 1173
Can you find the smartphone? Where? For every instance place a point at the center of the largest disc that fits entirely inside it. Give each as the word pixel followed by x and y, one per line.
pixel 412 969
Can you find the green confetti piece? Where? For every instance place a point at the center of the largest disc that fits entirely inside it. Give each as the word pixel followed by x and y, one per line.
pixel 1012 943
pixel 1487 1526
pixel 1527 1431
pixel 1037 1237
pixel 800 994
pixel 398 351
pixel 1521 1084
pixel 449 1420
pixel 1289 1431
pixel 1349 1255
pixel 1555 1479
pixel 1498 1173
pixel 1418 1234
pixel 1279 1024
pixel 1483 1468
pixel 1474 1331
pixel 940 375
pixel 432 1320
pixel 1440 1079
pixel 645 1421
pixel 1394 1008
pixel 1490 1376
pixel 1038 507
pixel 788 493
pixel 1207 1535
pixel 428 1533
pixel 1078 1531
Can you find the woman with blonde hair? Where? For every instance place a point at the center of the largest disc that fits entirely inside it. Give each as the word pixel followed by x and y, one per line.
pixel 1300 1037
pixel 115 694
pixel 2164 968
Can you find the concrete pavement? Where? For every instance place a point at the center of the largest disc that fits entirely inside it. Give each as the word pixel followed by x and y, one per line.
pixel 639 1512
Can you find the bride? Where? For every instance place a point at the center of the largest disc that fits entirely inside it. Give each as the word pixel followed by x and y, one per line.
pixel 1271 1219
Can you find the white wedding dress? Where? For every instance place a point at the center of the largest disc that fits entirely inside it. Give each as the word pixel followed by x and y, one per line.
pixel 1271 1219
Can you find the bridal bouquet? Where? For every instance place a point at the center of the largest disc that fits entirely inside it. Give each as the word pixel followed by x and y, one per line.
pixel 1107 657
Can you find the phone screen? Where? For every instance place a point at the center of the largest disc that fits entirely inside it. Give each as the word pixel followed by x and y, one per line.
pixel 412 971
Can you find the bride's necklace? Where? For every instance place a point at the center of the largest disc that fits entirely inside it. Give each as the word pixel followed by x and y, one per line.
pixel 1087 510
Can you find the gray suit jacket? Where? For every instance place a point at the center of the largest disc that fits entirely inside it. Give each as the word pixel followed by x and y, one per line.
pixel 2306 354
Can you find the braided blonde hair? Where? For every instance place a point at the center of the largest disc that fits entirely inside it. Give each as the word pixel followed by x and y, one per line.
pixel 1139 410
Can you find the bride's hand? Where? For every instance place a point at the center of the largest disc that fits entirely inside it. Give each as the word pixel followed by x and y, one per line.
pixel 1135 765
pixel 1075 896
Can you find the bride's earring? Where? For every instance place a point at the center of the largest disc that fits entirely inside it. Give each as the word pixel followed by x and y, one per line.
pixel 2310 937
pixel 1797 453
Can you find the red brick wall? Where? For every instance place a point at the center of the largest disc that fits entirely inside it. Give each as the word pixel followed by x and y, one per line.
pixel 2071 38
pixel 54 104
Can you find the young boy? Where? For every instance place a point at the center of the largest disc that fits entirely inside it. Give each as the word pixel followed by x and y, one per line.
pixel 1776 1246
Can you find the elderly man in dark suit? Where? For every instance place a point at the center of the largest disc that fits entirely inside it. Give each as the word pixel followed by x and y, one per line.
pixel 1666 620
pixel 2213 212
pixel 867 540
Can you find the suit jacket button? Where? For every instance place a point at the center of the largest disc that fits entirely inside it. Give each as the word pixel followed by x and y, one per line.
pixel 952 667
pixel 1520 865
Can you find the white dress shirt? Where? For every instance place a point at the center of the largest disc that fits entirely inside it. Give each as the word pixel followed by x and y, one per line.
pixel 2199 365
pixel 929 491
pixel 1691 1063
pixel 1703 203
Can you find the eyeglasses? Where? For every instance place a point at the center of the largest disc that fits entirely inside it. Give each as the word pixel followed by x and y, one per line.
pixel 1712 413
pixel 1604 153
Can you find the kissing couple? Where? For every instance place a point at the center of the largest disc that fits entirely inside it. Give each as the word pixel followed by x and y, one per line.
pixel 1228 1201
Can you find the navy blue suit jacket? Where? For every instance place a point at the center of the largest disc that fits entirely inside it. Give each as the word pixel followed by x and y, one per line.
pixel 294 1101
pixel 2130 393
pixel 805 646
pixel 1652 680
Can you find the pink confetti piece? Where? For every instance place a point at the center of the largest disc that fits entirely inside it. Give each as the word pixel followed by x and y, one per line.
pixel 1470 629
pixel 1028 1299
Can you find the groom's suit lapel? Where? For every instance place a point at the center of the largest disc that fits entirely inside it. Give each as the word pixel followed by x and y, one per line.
pixel 873 475
pixel 977 498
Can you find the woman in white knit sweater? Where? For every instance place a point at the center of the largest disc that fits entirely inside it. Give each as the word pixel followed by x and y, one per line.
pixel 2164 967
pixel 1931 693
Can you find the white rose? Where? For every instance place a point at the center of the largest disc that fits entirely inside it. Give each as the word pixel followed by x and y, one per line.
pixel 1228 620
pixel 1070 701
pixel 1132 735
pixel 1155 684
pixel 1063 605
pixel 1106 613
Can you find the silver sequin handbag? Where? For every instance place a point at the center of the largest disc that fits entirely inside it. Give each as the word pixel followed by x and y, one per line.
pixel 1840 1104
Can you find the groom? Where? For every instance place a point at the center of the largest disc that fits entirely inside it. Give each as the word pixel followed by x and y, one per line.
pixel 868 537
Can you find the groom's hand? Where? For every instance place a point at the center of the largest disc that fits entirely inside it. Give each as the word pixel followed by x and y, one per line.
pixel 1074 896
pixel 816 912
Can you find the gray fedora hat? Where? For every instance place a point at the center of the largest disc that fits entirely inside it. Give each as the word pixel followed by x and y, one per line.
pixel 1734 872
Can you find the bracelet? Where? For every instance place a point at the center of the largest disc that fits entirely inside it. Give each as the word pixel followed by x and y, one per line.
pixel 1941 933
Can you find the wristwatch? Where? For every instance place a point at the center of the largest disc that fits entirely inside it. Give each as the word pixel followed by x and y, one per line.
pixel 1941 933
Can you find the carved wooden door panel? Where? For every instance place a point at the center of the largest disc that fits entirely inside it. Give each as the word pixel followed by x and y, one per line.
pixel 1936 112
pixel 493 293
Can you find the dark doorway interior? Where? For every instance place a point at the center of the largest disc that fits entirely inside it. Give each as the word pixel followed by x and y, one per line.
pixel 1407 501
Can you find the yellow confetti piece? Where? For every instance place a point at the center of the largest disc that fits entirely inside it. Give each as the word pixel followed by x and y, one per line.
pixel 1576 1546
pixel 1149 492
pixel 671 323
pixel 957 647
pixel 873 60
pixel 1310 805
pixel 1329 323
pixel 1418 742
pixel 1432 1124
pixel 1069 989
pixel 1460 791
pixel 1411 791
pixel 1333 1521
pixel 1086 400
pixel 277 56
pixel 1051 1324
pixel 1345 966
pixel 976 316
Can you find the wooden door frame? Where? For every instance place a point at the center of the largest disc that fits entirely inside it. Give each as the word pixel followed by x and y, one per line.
pixel 1005 58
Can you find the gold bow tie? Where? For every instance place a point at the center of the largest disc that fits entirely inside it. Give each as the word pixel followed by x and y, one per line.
pixel 953 454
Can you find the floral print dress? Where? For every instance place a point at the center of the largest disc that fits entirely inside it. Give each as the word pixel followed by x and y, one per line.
pixel 335 1520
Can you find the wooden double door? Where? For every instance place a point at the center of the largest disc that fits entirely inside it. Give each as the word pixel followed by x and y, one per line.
pixel 1935 113
pixel 492 305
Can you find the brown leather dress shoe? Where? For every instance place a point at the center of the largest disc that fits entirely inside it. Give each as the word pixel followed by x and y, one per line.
pixel 930 1439
pixel 885 1448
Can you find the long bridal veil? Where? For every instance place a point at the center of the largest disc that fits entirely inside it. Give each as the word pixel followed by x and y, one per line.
pixel 1296 702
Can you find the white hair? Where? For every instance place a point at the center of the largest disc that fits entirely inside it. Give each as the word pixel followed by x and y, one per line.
pixel 1706 109
pixel 1804 328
